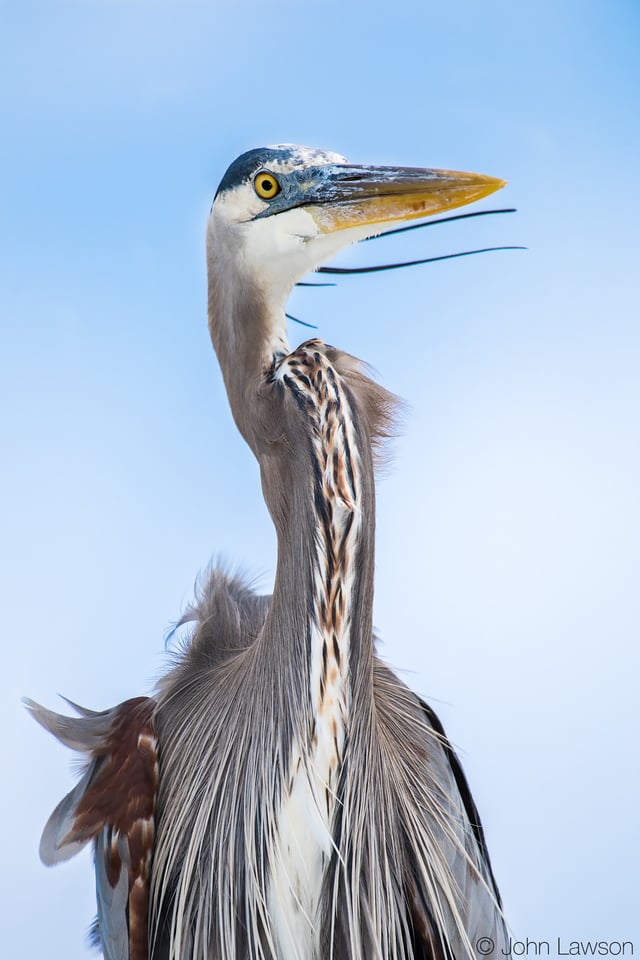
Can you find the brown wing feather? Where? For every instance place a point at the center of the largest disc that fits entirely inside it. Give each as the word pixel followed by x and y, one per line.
pixel 122 796
pixel 116 807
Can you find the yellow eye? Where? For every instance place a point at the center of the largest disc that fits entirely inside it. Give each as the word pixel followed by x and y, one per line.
pixel 266 186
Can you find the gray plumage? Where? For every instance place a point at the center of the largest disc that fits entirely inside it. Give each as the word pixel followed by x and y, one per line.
pixel 305 803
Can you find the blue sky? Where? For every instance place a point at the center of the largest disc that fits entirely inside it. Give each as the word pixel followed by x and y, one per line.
pixel 508 530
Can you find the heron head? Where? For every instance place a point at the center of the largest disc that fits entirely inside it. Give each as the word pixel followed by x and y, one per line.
pixel 282 211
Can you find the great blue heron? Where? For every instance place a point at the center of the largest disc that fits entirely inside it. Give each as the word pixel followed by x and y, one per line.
pixel 284 795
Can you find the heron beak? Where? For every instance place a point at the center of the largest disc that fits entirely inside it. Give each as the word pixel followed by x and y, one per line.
pixel 359 196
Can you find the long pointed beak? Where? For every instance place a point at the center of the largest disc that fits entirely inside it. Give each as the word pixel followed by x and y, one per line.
pixel 355 196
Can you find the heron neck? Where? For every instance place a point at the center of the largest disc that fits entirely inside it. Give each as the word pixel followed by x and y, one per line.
pixel 300 417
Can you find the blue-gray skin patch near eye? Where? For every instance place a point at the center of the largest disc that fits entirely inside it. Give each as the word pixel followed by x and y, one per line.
pixel 307 186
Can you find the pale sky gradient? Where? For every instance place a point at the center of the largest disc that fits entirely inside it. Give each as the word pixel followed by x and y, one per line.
pixel 507 572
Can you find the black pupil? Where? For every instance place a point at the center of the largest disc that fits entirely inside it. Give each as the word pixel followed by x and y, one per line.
pixel 267 185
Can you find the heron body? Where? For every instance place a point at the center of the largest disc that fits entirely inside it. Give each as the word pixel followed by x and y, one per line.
pixel 284 795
